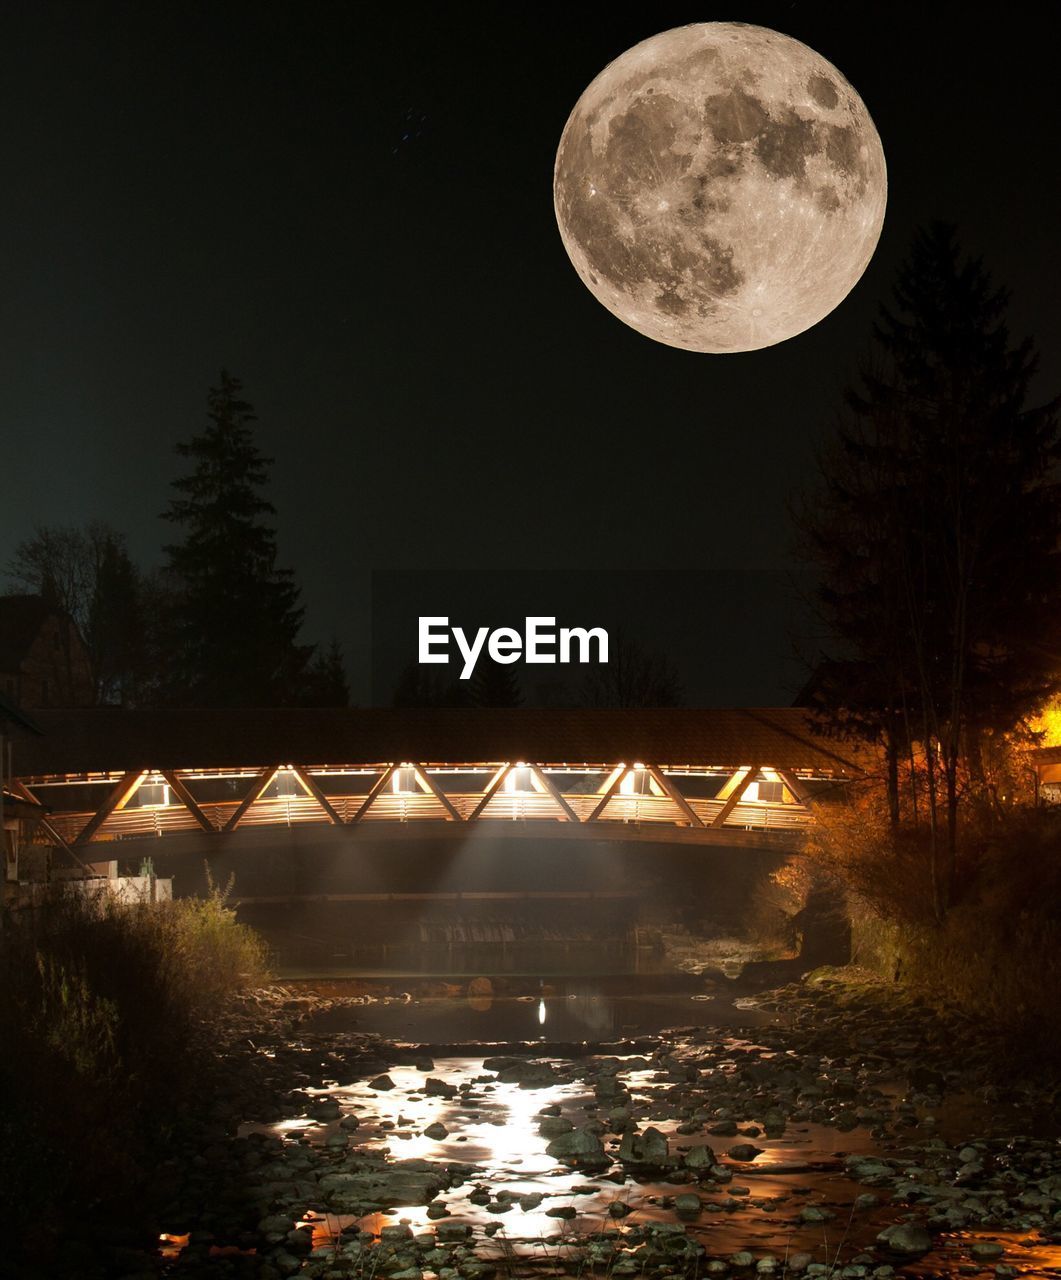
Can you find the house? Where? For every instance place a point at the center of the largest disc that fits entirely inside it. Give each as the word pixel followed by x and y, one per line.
pixel 43 659
pixel 20 811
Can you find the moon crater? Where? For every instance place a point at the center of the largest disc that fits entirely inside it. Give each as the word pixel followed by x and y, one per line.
pixel 720 187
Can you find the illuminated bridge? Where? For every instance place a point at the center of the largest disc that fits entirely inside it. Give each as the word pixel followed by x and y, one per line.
pixel 121 783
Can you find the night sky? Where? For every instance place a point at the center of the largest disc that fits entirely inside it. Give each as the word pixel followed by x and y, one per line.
pixel 354 215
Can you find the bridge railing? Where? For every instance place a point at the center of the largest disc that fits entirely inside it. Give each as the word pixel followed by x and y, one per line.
pixel 387 807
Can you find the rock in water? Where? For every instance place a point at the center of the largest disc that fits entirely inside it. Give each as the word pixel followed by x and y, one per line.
pixel 744 1151
pixel 906 1237
pixel 453 1232
pixel 687 1205
pixel 435 1088
pixel 554 1126
pixel 649 1147
pixel 700 1158
pixel 528 1075
pixel 815 1213
pixel 408 1182
pixel 579 1146
pixel 986 1251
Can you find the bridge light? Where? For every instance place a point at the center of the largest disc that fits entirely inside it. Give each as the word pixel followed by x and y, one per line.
pixel 152 793
pixel 637 781
pixel 403 781
pixel 520 780
pixel 766 787
pixel 285 785
pixel 769 788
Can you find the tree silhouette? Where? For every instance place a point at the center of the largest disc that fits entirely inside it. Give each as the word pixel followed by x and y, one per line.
pixel 325 683
pixel 495 685
pixel 935 527
pixel 86 572
pixel 234 617
pixel 633 677
pixel 419 686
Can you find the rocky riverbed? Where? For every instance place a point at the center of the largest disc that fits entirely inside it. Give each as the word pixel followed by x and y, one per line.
pixel 848 1131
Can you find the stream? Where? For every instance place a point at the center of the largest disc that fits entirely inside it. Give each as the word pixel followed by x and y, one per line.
pixel 452 1161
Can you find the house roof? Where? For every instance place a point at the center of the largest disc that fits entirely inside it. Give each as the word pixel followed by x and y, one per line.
pixel 113 739
pixel 12 715
pixel 21 618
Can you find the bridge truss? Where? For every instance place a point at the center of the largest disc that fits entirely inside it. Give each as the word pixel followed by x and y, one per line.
pixel 635 800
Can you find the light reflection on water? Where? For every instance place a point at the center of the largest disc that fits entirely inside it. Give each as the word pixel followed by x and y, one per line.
pixel 496 1127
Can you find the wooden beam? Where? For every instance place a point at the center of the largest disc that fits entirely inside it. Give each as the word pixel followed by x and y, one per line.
pixel 438 793
pixel 617 772
pixel 799 791
pixel 257 787
pixel 60 843
pixel 312 787
pixel 374 791
pixel 613 786
pixel 669 789
pixel 20 788
pixel 119 794
pixel 490 792
pixel 180 790
pixel 554 791
pixel 738 790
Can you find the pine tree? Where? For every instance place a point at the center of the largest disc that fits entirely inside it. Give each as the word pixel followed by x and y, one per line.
pixel 936 531
pixel 234 616
pixel 495 685
pixel 117 628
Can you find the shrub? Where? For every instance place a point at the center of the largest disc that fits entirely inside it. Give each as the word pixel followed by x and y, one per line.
pixel 995 954
pixel 103 1010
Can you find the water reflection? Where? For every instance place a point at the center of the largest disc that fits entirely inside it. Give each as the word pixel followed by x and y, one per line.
pixel 497 1128
pixel 517 1191
pixel 578 1011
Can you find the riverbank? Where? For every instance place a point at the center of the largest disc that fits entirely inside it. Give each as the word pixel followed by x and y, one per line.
pixel 848 1129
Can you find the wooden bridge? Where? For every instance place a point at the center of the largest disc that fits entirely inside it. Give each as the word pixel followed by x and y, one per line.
pixel 109 781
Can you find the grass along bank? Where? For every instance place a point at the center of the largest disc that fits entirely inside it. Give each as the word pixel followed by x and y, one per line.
pixel 107 1013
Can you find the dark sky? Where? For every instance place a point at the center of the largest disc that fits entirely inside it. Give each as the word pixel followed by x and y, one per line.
pixel 191 185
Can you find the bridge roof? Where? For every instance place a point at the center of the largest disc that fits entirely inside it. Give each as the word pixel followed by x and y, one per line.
pixel 111 739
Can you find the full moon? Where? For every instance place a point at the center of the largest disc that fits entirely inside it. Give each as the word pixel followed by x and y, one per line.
pixel 720 187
